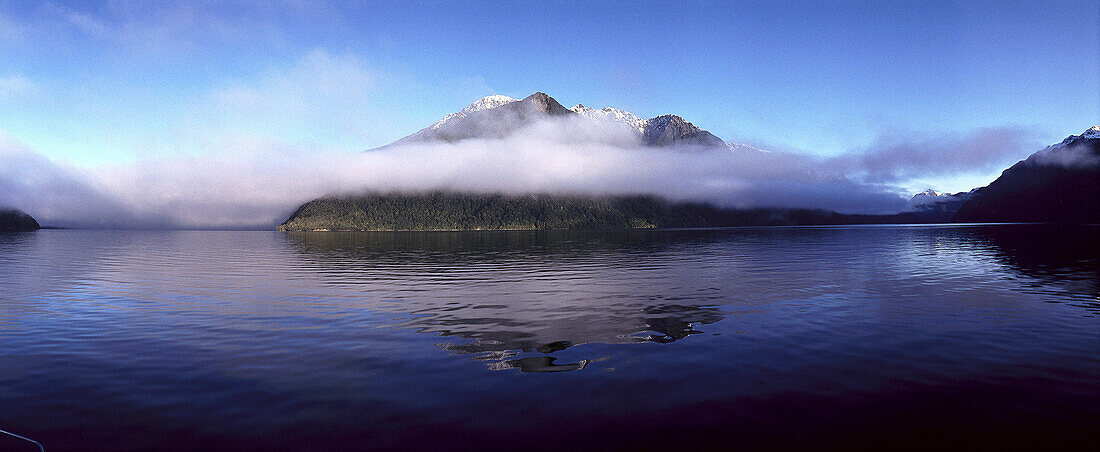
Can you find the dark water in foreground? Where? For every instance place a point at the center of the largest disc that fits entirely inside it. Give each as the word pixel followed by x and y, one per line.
pixel 898 336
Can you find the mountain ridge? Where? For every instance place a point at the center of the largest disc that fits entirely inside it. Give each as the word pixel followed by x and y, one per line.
pixel 1057 184
pixel 497 115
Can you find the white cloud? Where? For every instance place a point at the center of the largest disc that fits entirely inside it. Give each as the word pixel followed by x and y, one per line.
pixel 258 183
pixel 900 157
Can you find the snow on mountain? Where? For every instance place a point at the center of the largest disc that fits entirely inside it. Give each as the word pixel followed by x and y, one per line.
pixel 1075 150
pixel 613 114
pixel 928 197
pixel 934 200
pixel 1092 133
pixel 485 103
pixel 739 147
pixel 478 119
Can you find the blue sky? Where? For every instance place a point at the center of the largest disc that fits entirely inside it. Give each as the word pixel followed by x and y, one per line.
pixel 102 83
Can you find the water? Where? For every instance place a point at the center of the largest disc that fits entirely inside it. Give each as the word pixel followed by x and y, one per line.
pixel 777 337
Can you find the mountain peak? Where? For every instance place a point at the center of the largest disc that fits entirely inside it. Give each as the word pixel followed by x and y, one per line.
pixel 668 130
pixel 666 120
pixel 1092 133
pixel 497 114
pixel 542 102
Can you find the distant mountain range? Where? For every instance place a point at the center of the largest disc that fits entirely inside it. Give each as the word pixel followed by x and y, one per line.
pixel 496 116
pixel 1057 184
pixel 933 201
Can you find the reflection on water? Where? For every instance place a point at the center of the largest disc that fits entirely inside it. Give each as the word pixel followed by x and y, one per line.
pixel 497 295
pixel 638 339
pixel 1068 257
pixel 541 364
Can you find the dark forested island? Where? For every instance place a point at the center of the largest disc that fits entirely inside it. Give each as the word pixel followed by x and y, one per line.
pixel 441 211
pixel 12 220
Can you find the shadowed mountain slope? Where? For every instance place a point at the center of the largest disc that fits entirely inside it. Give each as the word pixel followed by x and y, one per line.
pixel 12 220
pixel 1059 184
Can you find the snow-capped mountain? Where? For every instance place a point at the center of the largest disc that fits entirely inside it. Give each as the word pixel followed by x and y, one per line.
pixel 928 196
pixel 624 117
pixel 1092 133
pixel 1075 150
pixel 497 115
pixel 490 117
pixel 933 200
pixel 484 103
pixel 740 147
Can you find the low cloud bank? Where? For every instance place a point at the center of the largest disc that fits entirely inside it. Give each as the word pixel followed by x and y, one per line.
pixel 898 158
pixel 262 184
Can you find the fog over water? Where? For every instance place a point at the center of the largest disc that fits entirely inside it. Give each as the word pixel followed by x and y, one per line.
pixel 258 184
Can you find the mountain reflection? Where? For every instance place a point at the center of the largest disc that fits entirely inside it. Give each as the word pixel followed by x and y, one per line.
pixel 498 295
pixel 1064 256
pixel 1045 251
pixel 518 300
pixel 498 337
pixel 539 364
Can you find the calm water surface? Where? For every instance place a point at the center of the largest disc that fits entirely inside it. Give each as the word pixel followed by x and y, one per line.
pixel 898 336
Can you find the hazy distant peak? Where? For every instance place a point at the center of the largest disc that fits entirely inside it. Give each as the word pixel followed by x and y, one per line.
pixel 741 148
pixel 932 200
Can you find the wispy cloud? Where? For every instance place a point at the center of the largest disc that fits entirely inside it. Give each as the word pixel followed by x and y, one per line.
pixel 163 30
pixel 86 23
pixel 900 157
pixel 17 86
pixel 321 97
pixel 257 184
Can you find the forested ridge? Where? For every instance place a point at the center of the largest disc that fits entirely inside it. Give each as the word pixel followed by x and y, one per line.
pixel 436 211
